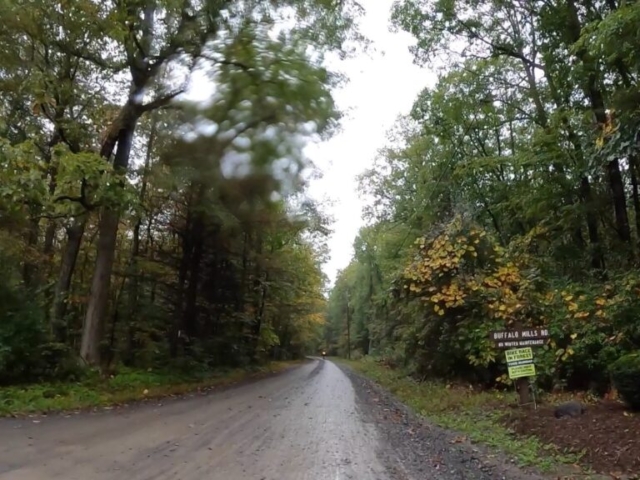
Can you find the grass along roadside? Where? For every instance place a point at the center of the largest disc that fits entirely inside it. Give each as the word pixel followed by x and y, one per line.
pixel 476 415
pixel 126 387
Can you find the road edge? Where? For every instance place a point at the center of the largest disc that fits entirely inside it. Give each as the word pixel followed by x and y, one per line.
pixel 134 403
pixel 411 436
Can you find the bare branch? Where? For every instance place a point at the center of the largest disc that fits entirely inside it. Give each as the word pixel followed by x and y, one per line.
pixel 68 50
pixel 161 101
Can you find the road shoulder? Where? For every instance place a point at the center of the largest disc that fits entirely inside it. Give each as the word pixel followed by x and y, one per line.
pixel 37 400
pixel 418 448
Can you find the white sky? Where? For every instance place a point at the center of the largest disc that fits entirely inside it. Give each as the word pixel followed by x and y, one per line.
pixel 382 85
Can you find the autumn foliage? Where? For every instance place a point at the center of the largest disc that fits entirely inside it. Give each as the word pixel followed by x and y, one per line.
pixel 469 285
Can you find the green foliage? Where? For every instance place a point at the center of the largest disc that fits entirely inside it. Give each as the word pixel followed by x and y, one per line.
pixel 476 414
pixel 127 385
pixel 499 202
pixel 195 230
pixel 21 336
pixel 625 373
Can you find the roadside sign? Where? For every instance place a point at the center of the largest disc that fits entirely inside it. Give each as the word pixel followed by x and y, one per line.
pixel 519 371
pixel 519 354
pixel 528 337
pixel 520 362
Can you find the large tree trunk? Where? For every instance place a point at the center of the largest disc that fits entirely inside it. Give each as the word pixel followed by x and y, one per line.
pixel 107 236
pixel 67 267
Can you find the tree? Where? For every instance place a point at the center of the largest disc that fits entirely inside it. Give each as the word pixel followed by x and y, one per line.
pixel 522 141
pixel 147 230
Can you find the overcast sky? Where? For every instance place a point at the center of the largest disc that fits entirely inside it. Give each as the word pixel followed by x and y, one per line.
pixel 382 85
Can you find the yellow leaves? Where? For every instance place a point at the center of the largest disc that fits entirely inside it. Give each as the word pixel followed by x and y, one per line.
pixel 563 354
pixel 574 336
pixel 581 315
pixel 572 307
pixel 600 302
pixel 440 274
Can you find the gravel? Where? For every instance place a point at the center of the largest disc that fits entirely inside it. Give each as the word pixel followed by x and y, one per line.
pixel 413 448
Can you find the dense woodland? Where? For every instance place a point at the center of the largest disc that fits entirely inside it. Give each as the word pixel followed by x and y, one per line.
pixel 138 228
pixel 142 229
pixel 507 197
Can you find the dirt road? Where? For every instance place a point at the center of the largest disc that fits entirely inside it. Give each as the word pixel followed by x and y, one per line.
pixel 305 424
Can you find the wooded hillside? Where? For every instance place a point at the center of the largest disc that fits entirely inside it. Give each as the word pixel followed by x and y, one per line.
pixel 509 196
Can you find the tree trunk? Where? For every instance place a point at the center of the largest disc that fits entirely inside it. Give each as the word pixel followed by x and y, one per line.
pixel 29 268
pixel 67 267
pixel 633 169
pixel 108 233
pixel 595 96
pixel 597 258
pixel 190 319
pixel 183 271
pixel 134 281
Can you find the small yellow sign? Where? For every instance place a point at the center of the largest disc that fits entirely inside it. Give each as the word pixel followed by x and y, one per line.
pixel 519 371
pixel 517 354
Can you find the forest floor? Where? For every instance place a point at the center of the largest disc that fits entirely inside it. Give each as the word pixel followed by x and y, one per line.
pixel 603 443
pixel 607 436
pixel 126 387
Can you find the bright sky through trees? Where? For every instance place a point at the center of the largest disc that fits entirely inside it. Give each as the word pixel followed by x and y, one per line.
pixel 382 85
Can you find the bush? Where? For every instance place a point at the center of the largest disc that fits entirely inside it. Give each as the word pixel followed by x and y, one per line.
pixel 22 334
pixel 26 351
pixel 625 373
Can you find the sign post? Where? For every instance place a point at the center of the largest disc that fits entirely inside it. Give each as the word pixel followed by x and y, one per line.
pixel 519 355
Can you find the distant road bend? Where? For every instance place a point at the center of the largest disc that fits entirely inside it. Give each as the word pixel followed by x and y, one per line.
pixel 303 424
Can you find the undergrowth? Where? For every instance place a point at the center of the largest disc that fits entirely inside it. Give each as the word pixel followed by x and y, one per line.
pixel 126 386
pixel 475 414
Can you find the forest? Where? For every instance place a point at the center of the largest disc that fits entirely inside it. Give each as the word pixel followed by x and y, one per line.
pixel 142 229
pixel 507 198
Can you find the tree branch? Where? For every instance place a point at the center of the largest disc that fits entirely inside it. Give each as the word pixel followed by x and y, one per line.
pixel 68 50
pixel 161 101
pixel 82 199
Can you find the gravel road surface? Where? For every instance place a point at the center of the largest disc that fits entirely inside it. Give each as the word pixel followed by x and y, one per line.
pixel 310 423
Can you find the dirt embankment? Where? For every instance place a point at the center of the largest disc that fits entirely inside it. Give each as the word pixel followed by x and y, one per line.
pixel 608 435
